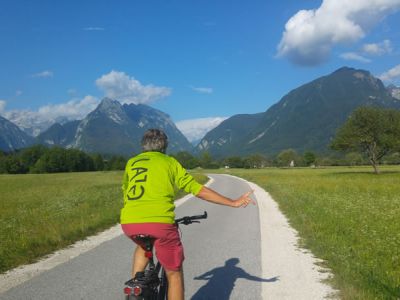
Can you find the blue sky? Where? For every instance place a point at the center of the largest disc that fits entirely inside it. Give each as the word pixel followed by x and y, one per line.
pixel 198 61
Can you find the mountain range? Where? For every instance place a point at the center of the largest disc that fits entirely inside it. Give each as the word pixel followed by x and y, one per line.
pixel 304 119
pixel 112 128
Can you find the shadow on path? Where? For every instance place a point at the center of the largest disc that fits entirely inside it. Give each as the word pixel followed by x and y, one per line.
pixel 221 281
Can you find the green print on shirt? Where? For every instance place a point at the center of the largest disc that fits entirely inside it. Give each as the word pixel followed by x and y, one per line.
pixel 138 180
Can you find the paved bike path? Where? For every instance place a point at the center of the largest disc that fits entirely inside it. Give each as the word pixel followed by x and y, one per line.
pixel 223 252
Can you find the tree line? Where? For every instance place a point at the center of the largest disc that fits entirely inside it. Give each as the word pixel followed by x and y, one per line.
pixel 40 159
pixel 285 159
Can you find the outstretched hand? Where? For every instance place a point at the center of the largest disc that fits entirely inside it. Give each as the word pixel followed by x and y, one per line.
pixel 244 200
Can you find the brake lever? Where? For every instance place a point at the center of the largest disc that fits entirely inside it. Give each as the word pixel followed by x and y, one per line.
pixel 188 222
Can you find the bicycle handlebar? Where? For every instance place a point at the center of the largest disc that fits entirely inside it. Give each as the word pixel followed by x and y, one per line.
pixel 190 219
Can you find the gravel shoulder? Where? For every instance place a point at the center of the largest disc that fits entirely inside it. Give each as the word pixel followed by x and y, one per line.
pixel 297 270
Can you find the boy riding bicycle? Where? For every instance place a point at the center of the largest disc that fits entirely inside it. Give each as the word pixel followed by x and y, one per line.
pixel 148 188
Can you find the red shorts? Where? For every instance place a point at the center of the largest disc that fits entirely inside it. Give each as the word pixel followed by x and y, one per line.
pixel 168 246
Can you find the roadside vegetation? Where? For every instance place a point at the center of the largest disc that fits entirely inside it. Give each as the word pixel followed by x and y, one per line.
pixel 347 216
pixel 39 159
pixel 40 213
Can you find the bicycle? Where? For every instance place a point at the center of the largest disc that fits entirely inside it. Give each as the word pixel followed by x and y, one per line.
pixel 152 284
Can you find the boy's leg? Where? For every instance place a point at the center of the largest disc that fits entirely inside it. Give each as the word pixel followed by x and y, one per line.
pixel 139 261
pixel 175 284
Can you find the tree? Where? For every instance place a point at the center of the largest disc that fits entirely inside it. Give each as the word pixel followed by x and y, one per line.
pixel 187 160
pixel 309 158
pixel 116 162
pixel 372 131
pixel 286 157
pixel 354 159
pixel 14 165
pixel 98 161
pixel 206 161
pixel 52 161
pixel 233 162
pixel 3 163
pixel 29 156
pixel 393 159
pixel 255 161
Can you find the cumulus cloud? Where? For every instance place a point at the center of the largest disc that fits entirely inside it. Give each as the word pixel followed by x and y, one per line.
pixel 202 90
pixel 118 85
pixel 310 35
pixel 35 121
pixel 382 48
pixel 44 74
pixel 74 109
pixel 195 129
pixel 391 75
pixel 354 56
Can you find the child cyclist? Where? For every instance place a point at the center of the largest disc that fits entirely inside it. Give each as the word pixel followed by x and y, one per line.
pixel 148 188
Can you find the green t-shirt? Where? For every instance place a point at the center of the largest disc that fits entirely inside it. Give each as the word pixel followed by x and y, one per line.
pixel 148 187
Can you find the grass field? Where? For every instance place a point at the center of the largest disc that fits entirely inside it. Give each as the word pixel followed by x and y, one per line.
pixel 347 216
pixel 45 212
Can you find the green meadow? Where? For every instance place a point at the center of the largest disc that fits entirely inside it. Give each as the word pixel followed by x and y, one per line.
pixel 347 216
pixel 44 212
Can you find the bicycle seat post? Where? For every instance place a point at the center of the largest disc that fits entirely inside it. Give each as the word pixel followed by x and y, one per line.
pixel 147 243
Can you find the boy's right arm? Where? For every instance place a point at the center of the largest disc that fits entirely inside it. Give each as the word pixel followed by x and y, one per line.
pixel 214 197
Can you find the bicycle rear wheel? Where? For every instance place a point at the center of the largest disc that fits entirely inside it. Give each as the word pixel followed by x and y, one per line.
pixel 163 290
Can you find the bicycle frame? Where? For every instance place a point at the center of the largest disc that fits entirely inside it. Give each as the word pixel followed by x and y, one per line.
pixel 152 284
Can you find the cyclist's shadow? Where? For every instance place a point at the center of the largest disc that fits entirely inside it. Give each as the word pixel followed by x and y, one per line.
pixel 221 281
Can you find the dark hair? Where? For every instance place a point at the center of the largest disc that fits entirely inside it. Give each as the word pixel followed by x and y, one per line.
pixel 154 140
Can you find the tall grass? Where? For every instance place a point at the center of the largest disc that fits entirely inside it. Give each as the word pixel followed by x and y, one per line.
pixel 347 216
pixel 41 213
pixel 44 212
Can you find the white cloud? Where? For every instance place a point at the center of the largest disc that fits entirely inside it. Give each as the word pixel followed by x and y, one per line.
pixel 35 122
pixel 93 28
pixel 195 129
pixel 3 104
pixel 73 110
pixel 391 75
pixel 310 35
pixel 384 47
pixel 202 90
pixel 44 74
pixel 118 85
pixel 354 56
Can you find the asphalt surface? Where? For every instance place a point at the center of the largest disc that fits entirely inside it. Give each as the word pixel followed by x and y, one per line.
pixel 223 258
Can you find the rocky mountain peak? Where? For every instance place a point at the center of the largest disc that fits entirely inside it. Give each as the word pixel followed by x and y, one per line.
pixel 394 91
pixel 111 109
pixel 11 137
pixel 108 104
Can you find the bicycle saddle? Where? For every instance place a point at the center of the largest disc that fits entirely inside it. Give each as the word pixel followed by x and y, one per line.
pixel 145 241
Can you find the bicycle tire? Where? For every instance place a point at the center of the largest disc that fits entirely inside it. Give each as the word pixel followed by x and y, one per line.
pixel 163 290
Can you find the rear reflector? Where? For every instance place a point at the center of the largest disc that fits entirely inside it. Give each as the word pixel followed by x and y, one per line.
pixel 127 291
pixel 137 290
